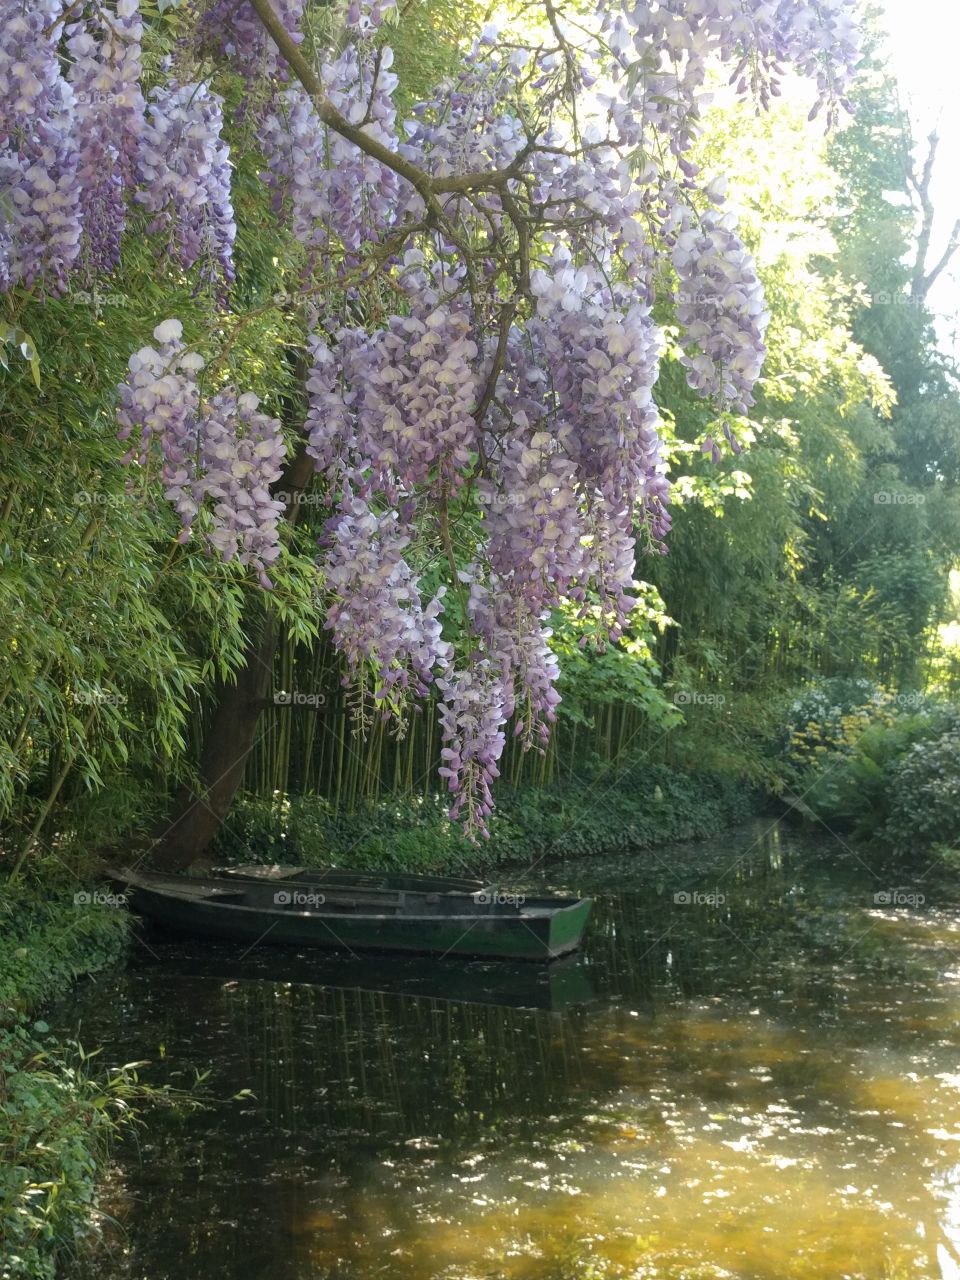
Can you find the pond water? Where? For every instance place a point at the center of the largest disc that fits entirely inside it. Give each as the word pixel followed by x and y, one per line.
pixel 760 1082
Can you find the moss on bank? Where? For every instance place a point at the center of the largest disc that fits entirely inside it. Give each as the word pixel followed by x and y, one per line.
pixel 56 1122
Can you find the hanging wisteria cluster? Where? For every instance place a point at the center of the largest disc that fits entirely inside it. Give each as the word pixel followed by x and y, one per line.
pixel 105 76
pixel 720 308
pixel 160 402
pixel 185 177
pixel 334 196
pixel 219 456
pixel 376 611
pixel 40 223
pixel 392 409
pixel 241 456
pixel 233 29
pixel 483 358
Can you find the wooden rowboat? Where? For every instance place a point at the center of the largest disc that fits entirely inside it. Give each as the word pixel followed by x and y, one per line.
pixel 344 877
pixel 359 919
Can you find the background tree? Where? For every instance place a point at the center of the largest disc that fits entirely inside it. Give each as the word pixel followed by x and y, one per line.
pixel 524 253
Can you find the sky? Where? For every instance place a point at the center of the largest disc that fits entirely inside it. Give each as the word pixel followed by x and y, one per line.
pixel 923 47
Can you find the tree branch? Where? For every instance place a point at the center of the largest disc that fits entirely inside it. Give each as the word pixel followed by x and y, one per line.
pixel 922 188
pixel 507 312
pixel 428 187
pixel 953 244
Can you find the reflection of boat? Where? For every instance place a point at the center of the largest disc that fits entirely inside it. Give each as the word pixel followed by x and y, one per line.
pixel 563 984
pixel 341 877
pixel 482 924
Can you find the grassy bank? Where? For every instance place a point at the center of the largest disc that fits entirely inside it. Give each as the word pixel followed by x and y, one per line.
pixel 56 1120
pixel 632 810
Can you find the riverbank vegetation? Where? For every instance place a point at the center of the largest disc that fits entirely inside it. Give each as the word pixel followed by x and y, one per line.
pixel 823 550
pixel 165 698
pixel 58 1114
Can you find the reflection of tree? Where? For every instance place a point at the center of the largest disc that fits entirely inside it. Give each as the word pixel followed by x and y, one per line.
pixel 780 1005
pixel 352 1053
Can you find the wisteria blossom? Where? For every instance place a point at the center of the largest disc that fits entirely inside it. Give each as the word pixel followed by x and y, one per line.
pixel 333 195
pixel 720 308
pixel 473 713
pixel 233 28
pixel 183 165
pixel 105 76
pixel 400 399
pixel 159 405
pixel 511 672
pixel 40 212
pixel 241 456
pixel 376 614
pixel 223 453
pixel 483 272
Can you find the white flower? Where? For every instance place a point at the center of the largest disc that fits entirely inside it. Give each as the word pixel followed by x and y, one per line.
pixel 168 331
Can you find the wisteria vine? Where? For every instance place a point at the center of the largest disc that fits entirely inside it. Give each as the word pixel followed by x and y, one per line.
pixel 218 457
pixel 484 418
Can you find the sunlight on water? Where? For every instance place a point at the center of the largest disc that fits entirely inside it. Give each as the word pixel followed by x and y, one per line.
pixel 769 1089
pixel 734 1164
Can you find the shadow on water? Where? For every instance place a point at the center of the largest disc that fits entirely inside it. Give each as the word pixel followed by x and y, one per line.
pixel 751 1071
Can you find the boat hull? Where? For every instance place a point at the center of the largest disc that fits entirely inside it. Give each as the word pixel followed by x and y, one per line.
pixel 540 929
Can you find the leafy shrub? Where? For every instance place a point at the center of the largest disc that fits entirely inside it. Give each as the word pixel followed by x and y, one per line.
pixel 604 812
pixel 738 736
pixel 55 1121
pixel 57 1124
pixel 925 795
pixel 828 715
pixel 46 942
pixel 832 696
pixel 855 790
pixel 862 767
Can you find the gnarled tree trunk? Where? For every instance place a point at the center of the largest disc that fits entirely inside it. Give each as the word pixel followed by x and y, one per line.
pixel 231 733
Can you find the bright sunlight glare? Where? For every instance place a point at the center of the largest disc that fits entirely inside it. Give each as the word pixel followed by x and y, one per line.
pixel 924 36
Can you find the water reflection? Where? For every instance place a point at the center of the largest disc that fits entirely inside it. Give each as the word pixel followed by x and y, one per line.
pixel 763 1086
